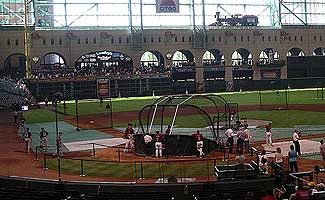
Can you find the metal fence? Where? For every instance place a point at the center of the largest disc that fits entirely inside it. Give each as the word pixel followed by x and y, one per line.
pixel 162 171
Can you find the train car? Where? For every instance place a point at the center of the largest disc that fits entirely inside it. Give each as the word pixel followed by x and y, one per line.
pixel 249 20
pixel 235 20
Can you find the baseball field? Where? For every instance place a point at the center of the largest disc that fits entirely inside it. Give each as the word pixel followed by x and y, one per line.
pixel 287 109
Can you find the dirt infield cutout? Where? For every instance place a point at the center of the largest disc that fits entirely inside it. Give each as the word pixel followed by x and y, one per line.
pixel 306 146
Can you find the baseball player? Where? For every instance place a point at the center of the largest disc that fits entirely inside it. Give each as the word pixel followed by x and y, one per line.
pixel 128 135
pixel 168 130
pixel 28 140
pixel 295 137
pixel 268 134
pixel 247 138
pixel 240 139
pixel 199 142
pixel 230 138
pixel 43 138
pixel 147 144
pixel 158 145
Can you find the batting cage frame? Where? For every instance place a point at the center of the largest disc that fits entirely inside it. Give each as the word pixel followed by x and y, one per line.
pixel 213 110
pixel 216 114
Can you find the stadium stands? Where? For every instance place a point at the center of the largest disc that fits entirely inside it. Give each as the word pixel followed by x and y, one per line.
pixel 13 94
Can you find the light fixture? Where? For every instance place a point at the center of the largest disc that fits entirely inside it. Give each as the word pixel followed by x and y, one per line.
pixel 35 59
pixel 169 56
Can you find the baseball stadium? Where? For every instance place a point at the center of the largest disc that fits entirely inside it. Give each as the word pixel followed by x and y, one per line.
pixel 162 99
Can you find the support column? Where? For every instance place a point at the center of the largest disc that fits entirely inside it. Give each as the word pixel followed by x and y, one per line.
pixel 136 57
pixel 228 67
pixel 168 56
pixel 284 71
pixel 27 40
pixel 199 79
pixel 256 70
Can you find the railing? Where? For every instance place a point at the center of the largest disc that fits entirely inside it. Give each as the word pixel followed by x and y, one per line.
pixel 186 169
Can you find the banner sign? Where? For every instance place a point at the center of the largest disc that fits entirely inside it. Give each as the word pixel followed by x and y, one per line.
pixel 167 6
pixel 103 88
pixel 270 74
pixel 183 69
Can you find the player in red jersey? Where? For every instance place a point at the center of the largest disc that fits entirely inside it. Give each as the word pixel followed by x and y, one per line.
pixel 128 136
pixel 199 142
pixel 158 145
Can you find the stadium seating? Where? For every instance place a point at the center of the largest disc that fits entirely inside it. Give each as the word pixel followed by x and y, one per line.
pixel 13 94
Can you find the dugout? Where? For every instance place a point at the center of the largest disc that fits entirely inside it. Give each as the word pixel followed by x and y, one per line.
pixel 209 112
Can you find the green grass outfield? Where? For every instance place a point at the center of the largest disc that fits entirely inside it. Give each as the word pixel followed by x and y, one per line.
pixel 280 119
pixel 301 96
pixel 132 170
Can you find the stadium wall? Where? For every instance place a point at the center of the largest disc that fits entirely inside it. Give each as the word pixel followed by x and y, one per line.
pixel 71 44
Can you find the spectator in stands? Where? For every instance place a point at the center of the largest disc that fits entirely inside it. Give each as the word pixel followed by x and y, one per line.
pixel 268 195
pixel 128 135
pixel 28 140
pixel 295 138
pixel 278 192
pixel 322 151
pixel 147 144
pixel 278 156
pixel 247 134
pixel 230 139
pixel 292 159
pixel 240 159
pixel 312 187
pixel 301 193
pixel 320 187
pixel 263 162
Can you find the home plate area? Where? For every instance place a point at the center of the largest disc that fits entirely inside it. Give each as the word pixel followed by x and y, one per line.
pixel 306 146
pixel 99 144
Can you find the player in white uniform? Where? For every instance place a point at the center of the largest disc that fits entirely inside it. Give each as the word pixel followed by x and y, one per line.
pixel 230 139
pixel 28 140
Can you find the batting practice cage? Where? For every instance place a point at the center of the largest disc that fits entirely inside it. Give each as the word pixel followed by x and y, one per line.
pixel 185 114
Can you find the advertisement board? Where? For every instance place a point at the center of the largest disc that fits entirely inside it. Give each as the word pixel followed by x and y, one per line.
pixel 167 6
pixel 102 88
